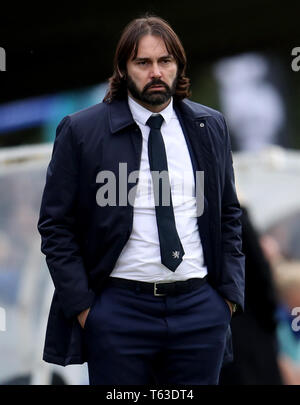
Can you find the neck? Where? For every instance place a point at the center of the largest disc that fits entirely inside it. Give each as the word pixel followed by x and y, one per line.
pixel 152 108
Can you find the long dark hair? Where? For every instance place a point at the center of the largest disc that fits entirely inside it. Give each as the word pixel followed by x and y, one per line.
pixel 128 45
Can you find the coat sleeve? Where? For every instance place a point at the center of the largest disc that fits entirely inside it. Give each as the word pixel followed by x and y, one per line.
pixel 57 224
pixel 233 260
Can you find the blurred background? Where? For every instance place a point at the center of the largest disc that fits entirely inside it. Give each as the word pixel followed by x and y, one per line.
pixel 243 59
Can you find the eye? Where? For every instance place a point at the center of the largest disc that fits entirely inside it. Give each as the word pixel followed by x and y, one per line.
pixel 142 62
pixel 166 61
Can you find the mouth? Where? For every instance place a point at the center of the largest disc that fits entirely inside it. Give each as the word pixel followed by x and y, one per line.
pixel 157 87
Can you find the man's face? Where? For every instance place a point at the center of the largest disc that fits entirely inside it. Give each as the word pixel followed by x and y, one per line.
pixel 152 75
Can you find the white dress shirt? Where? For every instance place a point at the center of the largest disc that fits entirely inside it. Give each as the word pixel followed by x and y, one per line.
pixel 140 257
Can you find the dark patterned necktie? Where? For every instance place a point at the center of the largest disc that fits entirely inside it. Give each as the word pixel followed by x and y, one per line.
pixel 171 250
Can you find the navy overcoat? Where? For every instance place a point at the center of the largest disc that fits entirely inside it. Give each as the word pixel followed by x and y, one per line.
pixel 83 240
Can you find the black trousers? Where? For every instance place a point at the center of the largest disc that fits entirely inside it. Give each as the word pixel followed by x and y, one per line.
pixel 136 338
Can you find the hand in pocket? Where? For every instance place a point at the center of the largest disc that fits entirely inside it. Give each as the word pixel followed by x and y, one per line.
pixel 83 316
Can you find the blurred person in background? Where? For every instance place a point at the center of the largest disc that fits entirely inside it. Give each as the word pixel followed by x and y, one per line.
pixel 287 278
pixel 251 103
pixel 140 297
pixel 271 249
pixel 254 339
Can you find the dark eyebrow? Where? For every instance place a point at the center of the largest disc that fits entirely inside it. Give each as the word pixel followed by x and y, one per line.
pixel 147 59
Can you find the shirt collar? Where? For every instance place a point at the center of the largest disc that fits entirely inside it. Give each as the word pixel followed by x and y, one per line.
pixel 142 114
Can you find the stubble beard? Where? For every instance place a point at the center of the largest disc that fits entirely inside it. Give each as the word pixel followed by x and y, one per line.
pixel 152 97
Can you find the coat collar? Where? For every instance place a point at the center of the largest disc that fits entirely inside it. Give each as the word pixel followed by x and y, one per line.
pixel 120 115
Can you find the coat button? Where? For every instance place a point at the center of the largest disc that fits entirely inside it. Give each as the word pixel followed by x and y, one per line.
pixel 201 124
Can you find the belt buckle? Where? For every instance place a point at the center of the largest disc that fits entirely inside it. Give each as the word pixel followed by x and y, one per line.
pixel 155 288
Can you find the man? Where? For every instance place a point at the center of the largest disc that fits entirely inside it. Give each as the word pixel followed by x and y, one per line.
pixel 144 286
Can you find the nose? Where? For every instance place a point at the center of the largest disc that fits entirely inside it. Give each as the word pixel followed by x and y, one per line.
pixel 155 71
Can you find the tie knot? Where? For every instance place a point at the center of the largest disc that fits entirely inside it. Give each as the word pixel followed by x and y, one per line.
pixel 155 121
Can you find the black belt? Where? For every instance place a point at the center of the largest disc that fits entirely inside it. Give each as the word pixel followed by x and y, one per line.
pixel 160 288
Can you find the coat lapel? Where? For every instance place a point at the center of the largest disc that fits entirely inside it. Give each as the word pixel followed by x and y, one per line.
pixel 120 115
pixel 195 128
